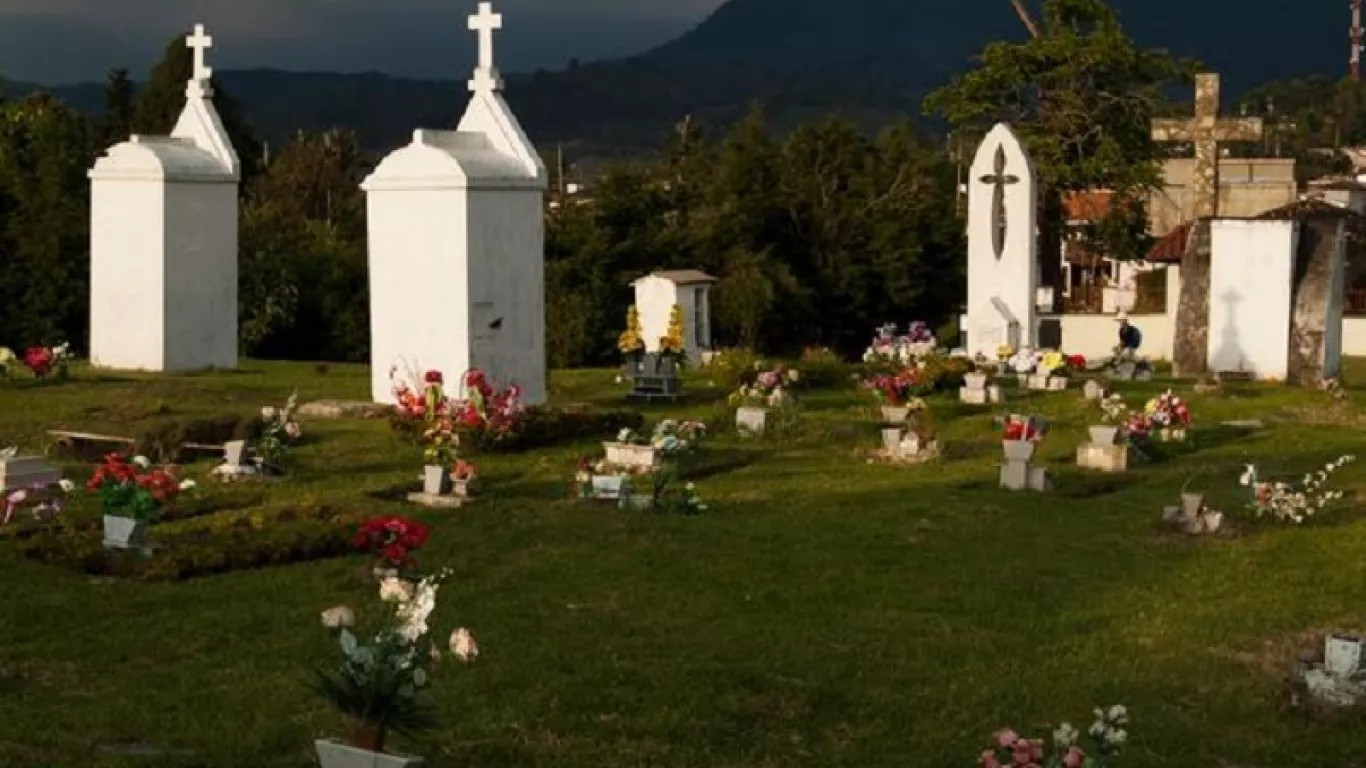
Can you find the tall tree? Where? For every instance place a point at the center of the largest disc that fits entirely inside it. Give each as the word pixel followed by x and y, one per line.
pixel 162 98
pixel 117 121
pixel 1080 94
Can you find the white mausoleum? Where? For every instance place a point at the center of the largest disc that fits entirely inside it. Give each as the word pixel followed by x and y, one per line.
pixel 163 242
pixel 456 245
pixel 656 296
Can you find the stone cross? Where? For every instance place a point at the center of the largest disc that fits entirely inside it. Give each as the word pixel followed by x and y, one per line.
pixel 998 180
pixel 200 78
pixel 485 74
pixel 1205 131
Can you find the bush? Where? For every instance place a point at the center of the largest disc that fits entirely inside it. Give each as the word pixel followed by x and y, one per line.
pixel 821 368
pixel 944 373
pixel 234 541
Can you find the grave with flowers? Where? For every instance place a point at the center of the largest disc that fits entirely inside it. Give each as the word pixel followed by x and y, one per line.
pixel 1289 502
pixel 976 390
pixel 434 417
pixel 911 440
pixel 44 364
pixel 1333 675
pixel 1108 734
pixel 654 375
pixel 890 352
pixel 25 472
pixel 263 458
pixel 1052 370
pixel 1108 448
pixel 635 464
pixel 1020 439
pixel 764 401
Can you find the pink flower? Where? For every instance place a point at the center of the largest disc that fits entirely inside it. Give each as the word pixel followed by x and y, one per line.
pixel 1006 737
pixel 1074 758
pixel 1026 752
pixel 989 760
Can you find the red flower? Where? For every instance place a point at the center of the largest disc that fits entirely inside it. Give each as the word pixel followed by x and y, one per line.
pixel 433 377
pixel 39 360
pixel 395 554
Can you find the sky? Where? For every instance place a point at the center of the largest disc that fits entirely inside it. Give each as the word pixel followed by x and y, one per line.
pixel 62 41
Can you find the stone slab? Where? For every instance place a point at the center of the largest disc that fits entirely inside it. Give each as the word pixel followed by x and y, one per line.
pixel 22 472
pixel 1104 458
pixel 343 409
pixel 436 501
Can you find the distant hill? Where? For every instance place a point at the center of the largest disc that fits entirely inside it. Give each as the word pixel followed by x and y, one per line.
pixel 871 59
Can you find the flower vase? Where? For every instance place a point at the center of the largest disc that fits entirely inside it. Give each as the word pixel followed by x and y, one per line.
pixel 891 439
pixel 750 420
pixel 1191 504
pixel 436 480
pixel 895 414
pixel 123 532
pixel 334 754
pixel 1018 450
pixel 235 452
pixel 462 488
pixel 975 380
pixel 1104 435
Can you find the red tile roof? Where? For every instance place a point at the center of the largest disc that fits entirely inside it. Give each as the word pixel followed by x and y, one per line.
pixel 1170 247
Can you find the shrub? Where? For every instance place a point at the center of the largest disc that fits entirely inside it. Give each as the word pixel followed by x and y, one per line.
pixel 823 369
pixel 944 373
pixel 236 541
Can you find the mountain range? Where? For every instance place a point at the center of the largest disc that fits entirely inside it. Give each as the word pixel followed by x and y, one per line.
pixel 870 59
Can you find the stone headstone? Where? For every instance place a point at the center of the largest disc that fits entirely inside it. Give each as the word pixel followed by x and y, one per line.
pixel 1103 458
pixel 163 242
pixel 462 210
pixel 1094 390
pixel 1003 267
pixel 25 472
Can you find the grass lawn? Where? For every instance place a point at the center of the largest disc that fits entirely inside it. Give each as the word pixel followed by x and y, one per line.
pixel 827 612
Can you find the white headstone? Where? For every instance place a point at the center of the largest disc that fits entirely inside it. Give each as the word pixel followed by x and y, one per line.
pixel 24 472
pixel 656 296
pixel 1003 269
pixel 163 242
pixel 456 242
pixel 1251 273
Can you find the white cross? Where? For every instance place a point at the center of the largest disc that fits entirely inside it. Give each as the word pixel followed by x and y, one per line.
pixel 484 22
pixel 199 42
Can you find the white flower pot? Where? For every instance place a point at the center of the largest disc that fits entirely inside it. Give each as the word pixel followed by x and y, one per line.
pixel 1213 521
pixel 895 414
pixel 627 455
pixel 975 380
pixel 235 452
pixel 1057 383
pixel 1342 655
pixel 1104 435
pixel 462 488
pixel 1191 504
pixel 436 480
pixel 334 754
pixel 891 439
pixel 750 419
pixel 1038 381
pixel 1019 450
pixel 123 532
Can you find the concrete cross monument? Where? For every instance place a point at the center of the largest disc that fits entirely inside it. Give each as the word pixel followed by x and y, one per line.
pixel 1003 268
pixel 456 244
pixel 1205 131
pixel 199 86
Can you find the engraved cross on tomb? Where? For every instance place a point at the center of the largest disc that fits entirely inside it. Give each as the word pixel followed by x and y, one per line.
pixel 1205 131
pixel 999 179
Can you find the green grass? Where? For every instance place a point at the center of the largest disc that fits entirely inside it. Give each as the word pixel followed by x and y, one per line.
pixel 828 612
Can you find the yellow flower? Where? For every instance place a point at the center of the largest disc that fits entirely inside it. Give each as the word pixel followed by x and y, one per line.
pixel 1052 361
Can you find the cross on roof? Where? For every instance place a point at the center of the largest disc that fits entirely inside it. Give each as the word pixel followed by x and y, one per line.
pixel 202 74
pixel 485 74
pixel 1205 131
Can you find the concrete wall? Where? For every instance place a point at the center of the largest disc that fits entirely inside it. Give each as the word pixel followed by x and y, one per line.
pixel 1354 336
pixel 1095 336
pixel 1247 187
pixel 1251 278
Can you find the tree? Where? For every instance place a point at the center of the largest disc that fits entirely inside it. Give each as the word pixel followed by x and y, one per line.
pixel 1080 94
pixel 162 99
pixel 116 123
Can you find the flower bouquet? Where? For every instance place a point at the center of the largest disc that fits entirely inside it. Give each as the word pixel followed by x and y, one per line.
pixel 631 342
pixel 672 352
pixel 1020 436
pixel 765 393
pixel 1114 416
pixel 43 362
pixel 487 416
pixel 280 432
pixel 1108 734
pixel 674 438
pixel 1169 416
pixel 392 539
pixel 40 502
pixel 1285 502
pixel 895 391
pixel 133 494
pixel 379 685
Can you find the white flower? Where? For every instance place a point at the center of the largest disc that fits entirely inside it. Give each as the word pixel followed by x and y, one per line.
pixel 463 645
pixel 1065 736
pixel 6 355
pixel 142 462
pixel 624 436
pixel 186 485
pixel 269 413
pixel 66 485
pixel 1116 736
pixel 293 430
pixel 393 590
pixel 338 617
pixel 1117 712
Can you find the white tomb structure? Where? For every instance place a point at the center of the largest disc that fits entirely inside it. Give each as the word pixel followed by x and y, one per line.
pixel 456 245
pixel 656 296
pixel 1003 268
pixel 1251 277
pixel 163 242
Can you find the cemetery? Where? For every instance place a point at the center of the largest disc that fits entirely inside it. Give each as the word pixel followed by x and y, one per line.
pixel 702 556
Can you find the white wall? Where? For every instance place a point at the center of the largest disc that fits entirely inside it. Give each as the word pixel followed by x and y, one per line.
pixel 1251 267
pixel 1095 336
pixel 1354 337
pixel 127 274
pixel 201 276
pixel 1012 278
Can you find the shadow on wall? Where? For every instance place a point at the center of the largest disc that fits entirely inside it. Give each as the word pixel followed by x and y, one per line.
pixel 1230 356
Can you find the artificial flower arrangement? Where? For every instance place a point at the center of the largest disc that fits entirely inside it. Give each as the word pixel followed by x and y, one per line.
pixel 661 495
pixel 393 540
pixel 1024 361
pixel 433 416
pixel 1004 352
pixel 1113 410
pixel 486 414
pixel 42 362
pixel 1023 428
pixel 899 388
pixel 1056 363
pixel 631 342
pixel 133 488
pixel 1108 734
pixel 379 685
pixel 41 503
pixel 767 388
pixel 422 400
pixel 1168 415
pixel 674 438
pixel 280 432
pixel 889 348
pixel 1288 503
pixel 671 343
